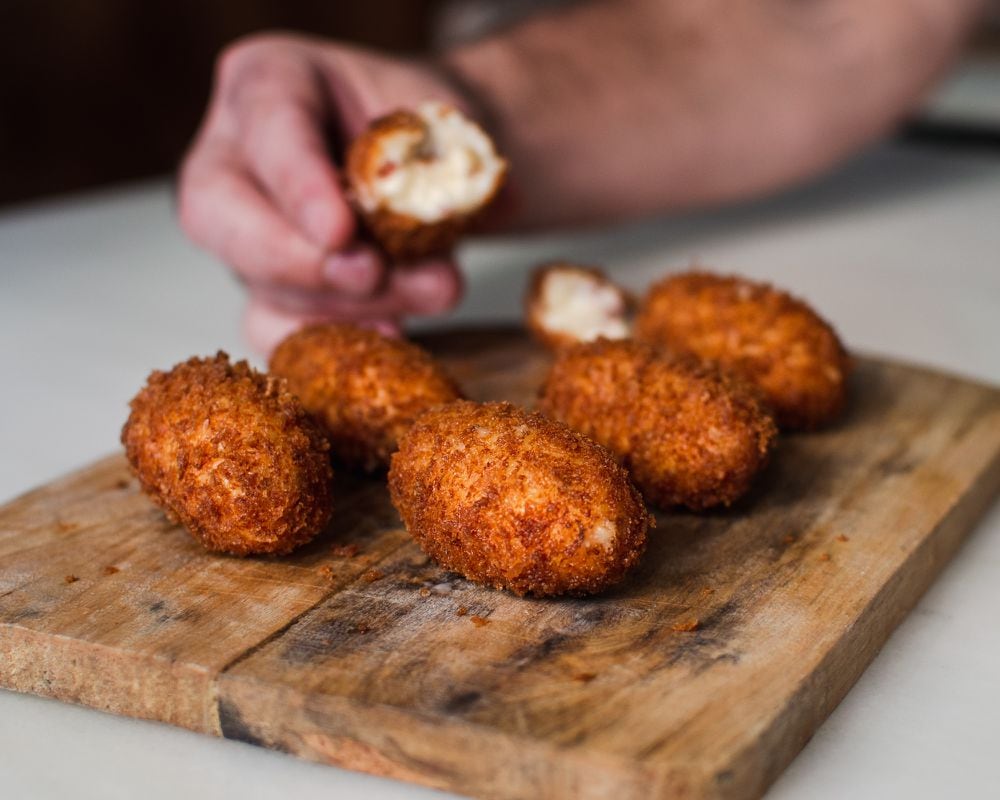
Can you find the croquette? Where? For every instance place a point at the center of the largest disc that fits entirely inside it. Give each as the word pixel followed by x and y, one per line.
pixel 568 303
pixel 364 388
pixel 689 434
pixel 230 454
pixel 769 337
pixel 515 500
pixel 420 178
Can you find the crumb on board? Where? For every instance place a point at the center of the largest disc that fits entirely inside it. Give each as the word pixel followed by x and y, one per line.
pixel 110 570
pixel 425 592
pixel 327 572
pixel 686 626
pixel 362 627
pixel 842 538
pixel 462 611
pixel 790 539
pixel 66 527
pixel 345 550
pixel 585 677
pixel 71 579
pixel 824 556
pixel 372 575
pixel 707 590
pixel 478 621
pixel 122 483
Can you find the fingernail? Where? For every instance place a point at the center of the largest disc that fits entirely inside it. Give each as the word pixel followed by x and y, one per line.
pixel 430 291
pixel 425 287
pixel 354 271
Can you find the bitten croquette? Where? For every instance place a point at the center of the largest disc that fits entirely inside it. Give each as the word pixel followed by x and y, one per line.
pixel 769 337
pixel 420 178
pixel 230 454
pixel 515 500
pixel 364 388
pixel 568 303
pixel 689 434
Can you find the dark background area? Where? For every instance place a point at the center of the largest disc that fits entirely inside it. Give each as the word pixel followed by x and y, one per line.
pixel 98 92
pixel 110 90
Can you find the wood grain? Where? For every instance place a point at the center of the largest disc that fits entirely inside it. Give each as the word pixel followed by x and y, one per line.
pixel 702 676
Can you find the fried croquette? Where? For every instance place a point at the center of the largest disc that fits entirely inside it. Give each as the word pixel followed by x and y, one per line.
pixel 420 178
pixel 230 454
pixel 568 303
pixel 517 501
pixel 688 434
pixel 364 388
pixel 769 337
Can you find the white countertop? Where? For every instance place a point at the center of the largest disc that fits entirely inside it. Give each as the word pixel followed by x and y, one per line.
pixel 900 250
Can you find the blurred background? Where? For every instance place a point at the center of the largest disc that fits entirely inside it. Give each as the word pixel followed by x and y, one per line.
pixel 102 92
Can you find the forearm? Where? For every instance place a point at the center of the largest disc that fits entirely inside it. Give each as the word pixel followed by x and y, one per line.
pixel 622 107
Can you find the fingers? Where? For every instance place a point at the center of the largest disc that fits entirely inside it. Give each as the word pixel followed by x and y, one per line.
pixel 279 108
pixel 258 188
pixel 222 209
pixel 429 287
pixel 274 311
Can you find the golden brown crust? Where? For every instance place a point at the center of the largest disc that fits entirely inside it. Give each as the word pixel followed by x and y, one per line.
pixel 517 501
pixel 403 237
pixel 688 434
pixel 363 153
pixel 769 337
pixel 364 388
pixel 534 309
pixel 229 453
pixel 407 238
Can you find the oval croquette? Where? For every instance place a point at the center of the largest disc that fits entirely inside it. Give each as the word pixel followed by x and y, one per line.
pixel 364 388
pixel 769 337
pixel 688 434
pixel 517 501
pixel 229 453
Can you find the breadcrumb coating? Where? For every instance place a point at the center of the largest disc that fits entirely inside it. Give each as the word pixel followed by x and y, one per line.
pixel 568 303
pixel 230 454
pixel 421 178
pixel 517 501
pixel 364 388
pixel 769 337
pixel 688 434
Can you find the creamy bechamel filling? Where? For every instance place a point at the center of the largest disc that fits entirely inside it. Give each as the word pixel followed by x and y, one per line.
pixel 581 305
pixel 451 168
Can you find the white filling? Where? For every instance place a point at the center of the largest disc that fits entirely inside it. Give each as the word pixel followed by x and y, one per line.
pixel 602 534
pixel 581 306
pixel 453 169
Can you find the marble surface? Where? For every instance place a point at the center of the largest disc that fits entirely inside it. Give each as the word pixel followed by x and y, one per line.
pixel 900 250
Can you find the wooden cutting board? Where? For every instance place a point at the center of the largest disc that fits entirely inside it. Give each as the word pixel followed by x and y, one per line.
pixel 702 676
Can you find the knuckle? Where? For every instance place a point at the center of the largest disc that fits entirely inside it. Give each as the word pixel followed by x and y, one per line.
pixel 252 52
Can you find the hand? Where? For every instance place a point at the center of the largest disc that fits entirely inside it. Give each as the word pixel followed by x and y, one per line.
pixel 258 187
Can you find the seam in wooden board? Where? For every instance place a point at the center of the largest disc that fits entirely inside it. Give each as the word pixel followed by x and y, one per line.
pixel 976 503
pixel 586 755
